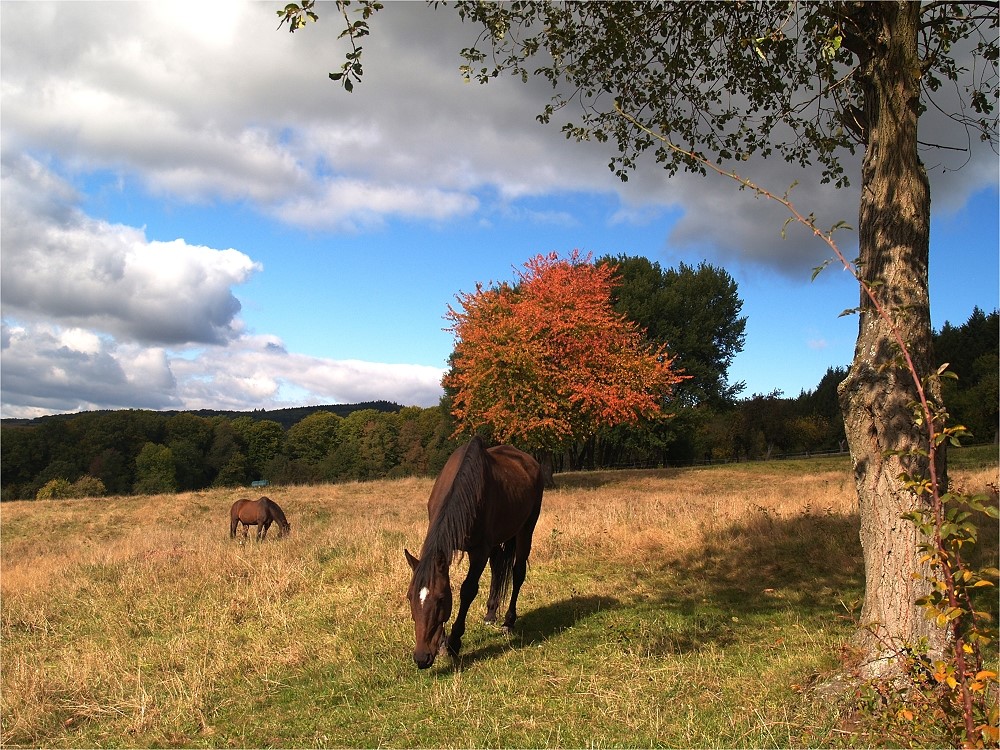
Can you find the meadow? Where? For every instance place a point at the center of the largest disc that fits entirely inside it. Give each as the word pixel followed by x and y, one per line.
pixel 700 607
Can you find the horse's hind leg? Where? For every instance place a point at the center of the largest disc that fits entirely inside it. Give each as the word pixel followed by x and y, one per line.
pixel 233 523
pixel 520 570
pixel 493 602
pixel 470 587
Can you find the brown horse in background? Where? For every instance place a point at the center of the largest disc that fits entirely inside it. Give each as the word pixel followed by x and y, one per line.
pixel 485 503
pixel 260 513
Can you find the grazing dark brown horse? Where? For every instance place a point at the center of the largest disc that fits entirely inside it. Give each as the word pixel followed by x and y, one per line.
pixel 485 503
pixel 260 513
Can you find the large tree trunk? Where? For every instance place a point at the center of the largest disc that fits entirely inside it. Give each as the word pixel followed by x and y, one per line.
pixel 876 396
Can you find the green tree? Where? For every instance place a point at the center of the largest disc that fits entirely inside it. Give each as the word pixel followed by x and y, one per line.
pixel 311 438
pixel 189 438
pixel 23 456
pixel 824 402
pixel 88 486
pixel 695 311
pixel 111 442
pixel 263 440
pixel 972 351
pixel 220 457
pixel 155 473
pixel 806 82
pixel 113 470
pixel 360 453
pixel 380 446
pixel 423 440
pixel 234 472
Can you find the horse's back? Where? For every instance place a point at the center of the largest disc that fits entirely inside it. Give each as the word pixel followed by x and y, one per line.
pixel 247 511
pixel 508 455
pixel 517 470
pixel 516 490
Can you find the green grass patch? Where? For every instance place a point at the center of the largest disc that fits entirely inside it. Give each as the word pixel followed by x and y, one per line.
pixel 974 457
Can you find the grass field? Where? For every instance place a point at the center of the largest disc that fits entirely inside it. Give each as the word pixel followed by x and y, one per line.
pixel 680 608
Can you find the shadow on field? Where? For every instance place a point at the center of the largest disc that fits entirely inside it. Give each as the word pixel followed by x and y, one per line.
pixel 538 625
pixel 810 563
pixel 595 479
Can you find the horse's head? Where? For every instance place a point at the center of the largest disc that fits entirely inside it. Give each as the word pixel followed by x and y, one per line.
pixel 284 528
pixel 430 605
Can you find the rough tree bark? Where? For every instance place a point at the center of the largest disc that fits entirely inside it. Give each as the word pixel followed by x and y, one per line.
pixel 876 396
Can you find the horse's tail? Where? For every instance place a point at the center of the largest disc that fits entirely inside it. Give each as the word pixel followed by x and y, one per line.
pixel 502 567
pixel 234 518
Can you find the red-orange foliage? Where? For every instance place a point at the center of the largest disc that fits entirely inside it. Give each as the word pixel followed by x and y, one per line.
pixel 548 361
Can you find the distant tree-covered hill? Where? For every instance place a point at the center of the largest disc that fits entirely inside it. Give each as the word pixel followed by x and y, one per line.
pixel 285 417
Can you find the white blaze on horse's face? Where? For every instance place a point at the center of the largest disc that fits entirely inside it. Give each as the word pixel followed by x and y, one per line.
pixel 423 595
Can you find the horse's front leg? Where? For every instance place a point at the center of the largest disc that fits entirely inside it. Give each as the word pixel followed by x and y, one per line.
pixel 470 587
pixel 262 529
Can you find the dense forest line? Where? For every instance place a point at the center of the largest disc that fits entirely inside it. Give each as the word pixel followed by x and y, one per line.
pixel 133 451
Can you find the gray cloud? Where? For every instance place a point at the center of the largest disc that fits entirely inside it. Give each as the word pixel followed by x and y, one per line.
pixel 50 369
pixel 47 369
pixel 241 112
pixel 62 265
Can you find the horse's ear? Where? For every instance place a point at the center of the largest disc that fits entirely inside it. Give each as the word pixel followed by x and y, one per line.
pixel 410 559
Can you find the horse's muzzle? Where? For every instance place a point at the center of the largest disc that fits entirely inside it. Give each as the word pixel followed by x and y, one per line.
pixel 423 659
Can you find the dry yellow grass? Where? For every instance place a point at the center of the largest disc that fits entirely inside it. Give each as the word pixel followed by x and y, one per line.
pixel 136 621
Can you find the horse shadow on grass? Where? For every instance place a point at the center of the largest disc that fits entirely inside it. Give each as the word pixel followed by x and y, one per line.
pixel 534 627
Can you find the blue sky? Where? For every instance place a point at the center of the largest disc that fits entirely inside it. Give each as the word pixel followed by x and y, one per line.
pixel 194 216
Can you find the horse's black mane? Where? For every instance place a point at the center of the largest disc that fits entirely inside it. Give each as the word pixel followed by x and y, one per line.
pixel 458 510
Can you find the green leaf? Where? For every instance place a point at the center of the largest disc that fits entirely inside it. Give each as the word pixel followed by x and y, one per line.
pixel 818 269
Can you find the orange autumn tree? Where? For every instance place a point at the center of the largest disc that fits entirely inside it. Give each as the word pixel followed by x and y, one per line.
pixel 547 362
